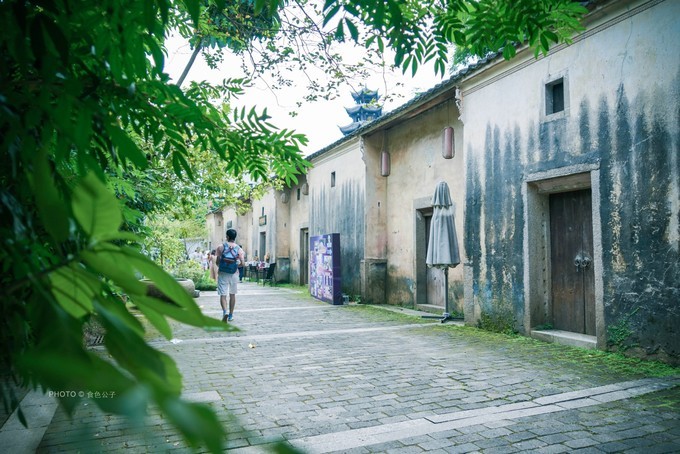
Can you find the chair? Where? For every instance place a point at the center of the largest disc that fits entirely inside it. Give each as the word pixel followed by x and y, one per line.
pixel 252 271
pixel 269 275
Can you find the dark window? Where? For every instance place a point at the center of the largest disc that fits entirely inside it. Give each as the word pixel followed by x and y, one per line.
pixel 332 179
pixel 554 97
pixel 298 193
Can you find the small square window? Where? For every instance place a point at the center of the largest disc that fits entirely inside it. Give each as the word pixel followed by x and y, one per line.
pixel 554 97
pixel 332 179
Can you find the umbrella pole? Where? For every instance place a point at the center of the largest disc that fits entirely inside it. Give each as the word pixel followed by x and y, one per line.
pixel 447 313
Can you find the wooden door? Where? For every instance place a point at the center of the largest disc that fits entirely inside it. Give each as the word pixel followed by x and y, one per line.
pixel 571 252
pixel 304 256
pixel 435 276
pixel 263 245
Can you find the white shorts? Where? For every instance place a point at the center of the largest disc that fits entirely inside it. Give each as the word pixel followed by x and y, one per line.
pixel 227 283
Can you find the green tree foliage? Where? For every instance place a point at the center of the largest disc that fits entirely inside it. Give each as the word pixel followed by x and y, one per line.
pixel 93 137
pixel 231 24
pixel 90 132
pixel 278 41
pixel 420 32
pixel 166 241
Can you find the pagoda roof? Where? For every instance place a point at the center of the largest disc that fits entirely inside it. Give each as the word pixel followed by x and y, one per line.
pixel 351 127
pixel 366 108
pixel 365 95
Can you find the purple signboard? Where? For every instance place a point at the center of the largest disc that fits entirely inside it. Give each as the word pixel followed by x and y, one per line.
pixel 324 268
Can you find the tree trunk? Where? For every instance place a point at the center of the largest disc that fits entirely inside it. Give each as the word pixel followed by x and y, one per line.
pixel 194 54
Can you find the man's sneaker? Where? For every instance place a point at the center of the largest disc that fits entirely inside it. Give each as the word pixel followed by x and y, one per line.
pixel 225 317
pixel 230 317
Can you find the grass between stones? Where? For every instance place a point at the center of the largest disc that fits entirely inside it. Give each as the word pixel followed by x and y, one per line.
pixel 564 356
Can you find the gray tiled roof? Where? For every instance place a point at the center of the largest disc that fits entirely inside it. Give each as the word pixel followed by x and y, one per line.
pixel 432 92
pixel 418 99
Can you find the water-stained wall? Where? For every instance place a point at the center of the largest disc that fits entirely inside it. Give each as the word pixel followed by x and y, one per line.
pixel 403 199
pixel 336 205
pixel 298 207
pixel 621 123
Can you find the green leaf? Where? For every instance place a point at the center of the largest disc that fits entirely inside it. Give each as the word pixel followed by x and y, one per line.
pixel 116 312
pixel 177 313
pixel 330 14
pixel 37 37
pixel 157 320
pixel 83 128
pixel 283 448
pixel 58 40
pixel 95 208
pixel 85 372
pixel 508 52
pixel 157 53
pixel 197 422
pixel 127 147
pixel 258 6
pixel 545 45
pixel 353 31
pixel 132 352
pixel 165 283
pixel 194 9
pixel 340 32
pixel 51 207
pixel 74 290
pixel 131 402
pixel 110 262
pixel 551 36
pixel 180 163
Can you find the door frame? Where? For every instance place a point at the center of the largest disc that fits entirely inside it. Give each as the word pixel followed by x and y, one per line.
pixel 420 205
pixel 263 245
pixel 536 189
pixel 304 256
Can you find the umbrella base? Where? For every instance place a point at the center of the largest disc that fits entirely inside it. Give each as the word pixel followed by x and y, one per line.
pixel 442 318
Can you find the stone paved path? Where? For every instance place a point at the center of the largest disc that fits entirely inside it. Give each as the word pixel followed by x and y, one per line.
pixel 356 380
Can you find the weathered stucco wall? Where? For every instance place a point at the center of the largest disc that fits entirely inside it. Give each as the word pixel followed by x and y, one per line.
pixel 340 208
pixel 622 117
pixel 298 207
pixel 266 206
pixel 417 165
pixel 215 228
pixel 240 223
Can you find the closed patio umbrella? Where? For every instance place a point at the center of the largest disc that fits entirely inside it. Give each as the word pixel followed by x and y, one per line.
pixel 442 247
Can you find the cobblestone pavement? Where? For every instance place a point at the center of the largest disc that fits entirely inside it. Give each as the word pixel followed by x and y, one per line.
pixel 361 380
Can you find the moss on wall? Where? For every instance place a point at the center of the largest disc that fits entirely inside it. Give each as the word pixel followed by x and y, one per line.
pixel 636 143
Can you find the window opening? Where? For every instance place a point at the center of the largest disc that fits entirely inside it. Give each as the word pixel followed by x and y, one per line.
pixel 554 97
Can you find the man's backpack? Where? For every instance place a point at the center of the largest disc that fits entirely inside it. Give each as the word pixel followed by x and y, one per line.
pixel 229 259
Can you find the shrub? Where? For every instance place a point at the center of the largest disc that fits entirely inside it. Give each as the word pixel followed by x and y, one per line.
pixel 189 269
pixel 205 283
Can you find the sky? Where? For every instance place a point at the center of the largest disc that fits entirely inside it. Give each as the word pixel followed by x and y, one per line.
pixel 318 120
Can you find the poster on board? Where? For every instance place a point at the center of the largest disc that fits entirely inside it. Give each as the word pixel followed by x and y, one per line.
pixel 325 281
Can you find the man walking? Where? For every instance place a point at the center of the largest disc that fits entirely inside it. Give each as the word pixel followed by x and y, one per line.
pixel 228 257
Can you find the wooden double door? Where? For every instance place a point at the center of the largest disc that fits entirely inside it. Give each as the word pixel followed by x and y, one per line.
pixel 571 252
